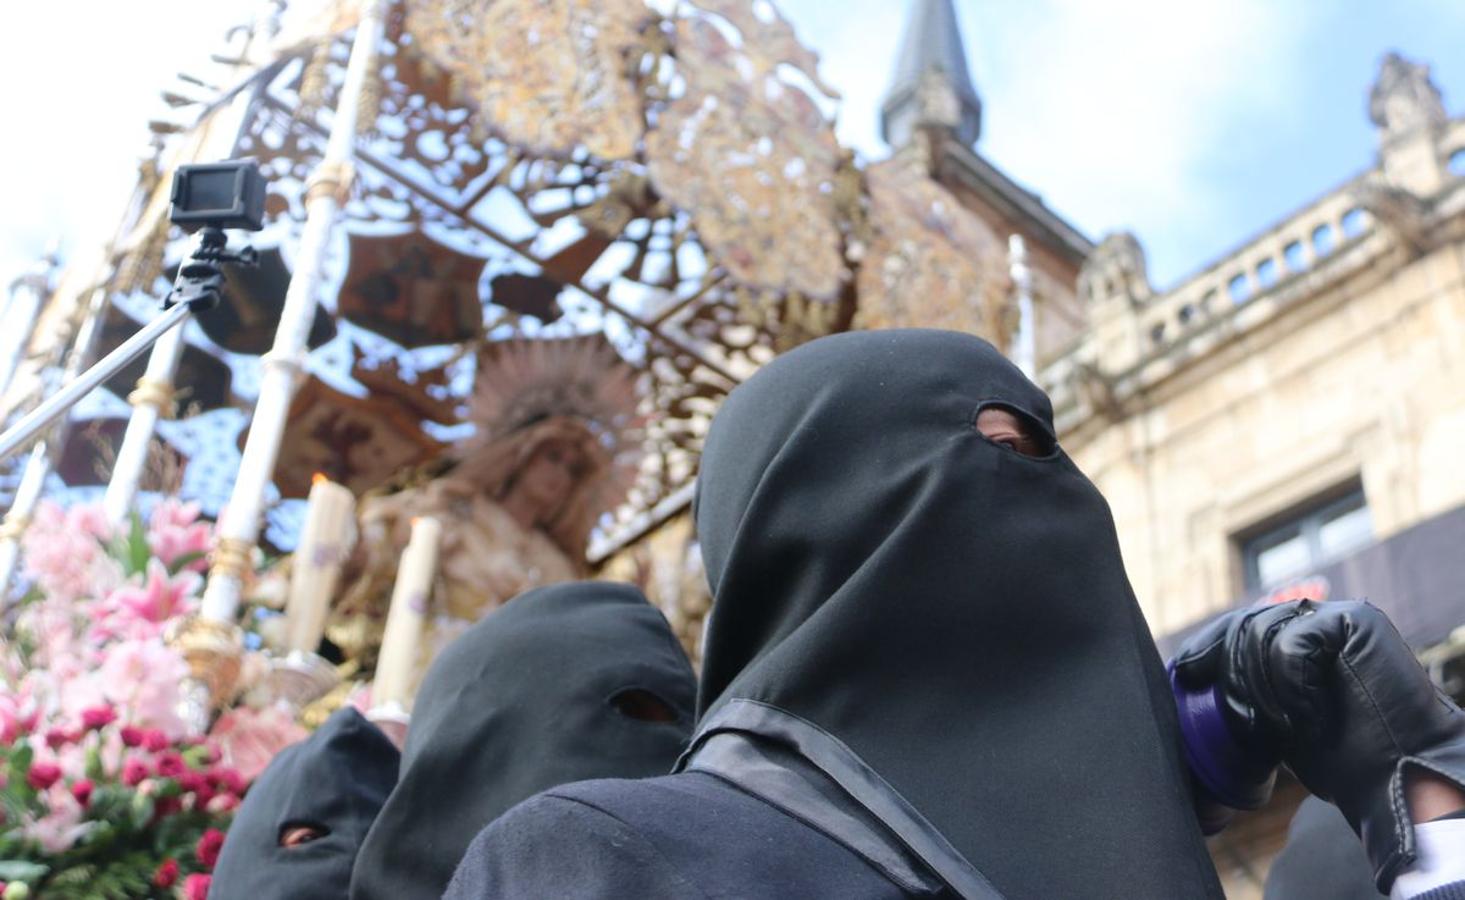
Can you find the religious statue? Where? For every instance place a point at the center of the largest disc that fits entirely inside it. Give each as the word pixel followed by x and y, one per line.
pixel 556 445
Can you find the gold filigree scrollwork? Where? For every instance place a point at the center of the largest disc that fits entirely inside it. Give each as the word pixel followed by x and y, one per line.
pixel 931 262
pixel 751 158
pixel 548 76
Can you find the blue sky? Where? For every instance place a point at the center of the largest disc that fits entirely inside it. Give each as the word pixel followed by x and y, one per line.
pixel 1195 124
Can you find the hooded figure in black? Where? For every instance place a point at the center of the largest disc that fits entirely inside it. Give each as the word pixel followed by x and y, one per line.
pixel 300 826
pixel 924 658
pixel 1323 859
pixel 568 682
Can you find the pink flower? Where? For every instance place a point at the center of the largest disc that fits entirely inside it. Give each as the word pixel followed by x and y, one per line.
pixel 132 736
pixel 63 553
pixel 98 717
pixel 18 713
pixel 167 874
pixel 145 678
pixel 82 791
pixel 196 887
pixel 249 738
pixel 135 611
pixel 222 803
pixel 207 849
pixel 42 775
pixel 175 532
pixel 58 830
pixel 155 740
pixel 134 771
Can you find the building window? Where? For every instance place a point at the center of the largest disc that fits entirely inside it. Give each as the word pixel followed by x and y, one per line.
pixel 1266 273
pixel 1318 535
pixel 1293 254
pixel 1355 222
pixel 1322 240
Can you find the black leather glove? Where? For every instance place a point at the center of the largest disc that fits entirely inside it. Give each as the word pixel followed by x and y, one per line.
pixel 1334 689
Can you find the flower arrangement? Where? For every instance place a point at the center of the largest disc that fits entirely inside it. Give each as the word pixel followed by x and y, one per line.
pixel 105 789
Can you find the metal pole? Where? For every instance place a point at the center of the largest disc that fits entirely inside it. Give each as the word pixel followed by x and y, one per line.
pixel 325 191
pixel 151 401
pixel 1024 344
pixel 79 385
pixel 27 293
pixel 38 467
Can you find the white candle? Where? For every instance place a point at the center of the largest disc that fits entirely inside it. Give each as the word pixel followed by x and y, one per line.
pixel 325 539
pixel 407 616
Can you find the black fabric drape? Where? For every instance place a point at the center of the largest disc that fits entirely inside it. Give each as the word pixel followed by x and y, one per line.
pixel 1323 859
pixel 523 701
pixel 335 781
pixel 953 612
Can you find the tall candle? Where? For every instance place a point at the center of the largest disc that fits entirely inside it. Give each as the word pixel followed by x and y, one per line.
pixel 325 539
pixel 406 618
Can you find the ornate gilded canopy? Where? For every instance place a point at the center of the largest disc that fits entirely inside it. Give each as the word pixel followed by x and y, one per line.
pixel 665 175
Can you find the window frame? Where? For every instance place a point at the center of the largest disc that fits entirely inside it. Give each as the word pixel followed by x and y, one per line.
pixel 1307 521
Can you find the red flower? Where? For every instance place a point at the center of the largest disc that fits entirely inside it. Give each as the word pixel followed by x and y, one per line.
pixel 155 740
pixel 171 764
pixel 134 771
pixel 132 736
pixel 208 846
pixel 167 874
pixel 196 887
pixel 42 775
pixel 82 791
pixel 56 738
pixel 166 806
pixel 227 780
pixel 98 717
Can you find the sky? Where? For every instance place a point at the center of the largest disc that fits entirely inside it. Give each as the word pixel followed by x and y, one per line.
pixel 1194 124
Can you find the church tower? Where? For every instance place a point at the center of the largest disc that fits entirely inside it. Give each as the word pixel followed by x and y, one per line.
pixel 931 87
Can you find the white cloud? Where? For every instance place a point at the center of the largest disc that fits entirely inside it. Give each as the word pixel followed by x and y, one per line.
pixel 81 81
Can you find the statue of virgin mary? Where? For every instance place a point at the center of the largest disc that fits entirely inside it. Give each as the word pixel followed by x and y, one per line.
pixel 556 445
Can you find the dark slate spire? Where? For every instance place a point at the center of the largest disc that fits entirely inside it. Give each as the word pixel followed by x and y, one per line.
pixel 931 87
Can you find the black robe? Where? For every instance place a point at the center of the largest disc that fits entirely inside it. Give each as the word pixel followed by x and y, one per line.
pixel 334 781
pixel 555 687
pixel 1323 859
pixel 937 625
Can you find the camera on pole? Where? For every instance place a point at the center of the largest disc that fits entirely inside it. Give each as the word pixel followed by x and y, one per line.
pixel 207 199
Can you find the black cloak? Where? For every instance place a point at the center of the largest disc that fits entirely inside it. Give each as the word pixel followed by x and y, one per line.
pixel 939 623
pixel 335 781
pixel 1323 859
pixel 555 687
pixel 924 659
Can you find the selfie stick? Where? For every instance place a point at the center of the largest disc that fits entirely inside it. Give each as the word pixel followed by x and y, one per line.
pixel 196 289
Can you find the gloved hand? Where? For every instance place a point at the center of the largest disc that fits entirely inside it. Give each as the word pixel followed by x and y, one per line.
pixel 1336 691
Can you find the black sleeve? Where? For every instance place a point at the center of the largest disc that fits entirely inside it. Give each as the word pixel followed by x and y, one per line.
pixel 551 846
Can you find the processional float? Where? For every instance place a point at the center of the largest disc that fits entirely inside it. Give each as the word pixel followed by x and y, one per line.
pixel 447 178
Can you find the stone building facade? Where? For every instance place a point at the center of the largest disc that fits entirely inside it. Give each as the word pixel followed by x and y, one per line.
pixel 1289 421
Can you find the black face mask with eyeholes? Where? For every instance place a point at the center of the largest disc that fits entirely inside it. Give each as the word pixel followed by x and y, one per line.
pixel 297 833
pixel 565 683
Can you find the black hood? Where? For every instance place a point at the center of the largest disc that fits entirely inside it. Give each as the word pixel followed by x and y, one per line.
pixel 541 693
pixel 954 613
pixel 335 781
pixel 1323 859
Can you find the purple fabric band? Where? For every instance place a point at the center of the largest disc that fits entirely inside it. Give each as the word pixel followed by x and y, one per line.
pixel 1234 774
